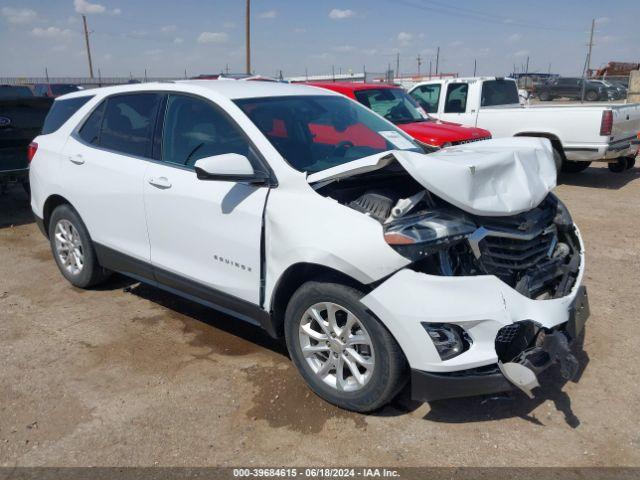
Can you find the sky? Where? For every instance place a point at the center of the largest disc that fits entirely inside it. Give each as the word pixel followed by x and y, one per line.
pixel 297 36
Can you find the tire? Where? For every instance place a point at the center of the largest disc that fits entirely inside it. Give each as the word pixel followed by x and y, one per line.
pixel 574 167
pixel 631 162
pixel 592 96
pixel 544 96
pixel 379 383
pixel 619 166
pixel 82 268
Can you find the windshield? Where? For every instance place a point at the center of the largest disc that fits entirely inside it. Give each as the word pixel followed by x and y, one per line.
pixel 314 133
pixel 394 104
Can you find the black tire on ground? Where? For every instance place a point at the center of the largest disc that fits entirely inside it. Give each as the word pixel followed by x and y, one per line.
pixel 619 166
pixel 544 96
pixel 592 96
pixel 91 273
pixel 631 162
pixel 390 372
pixel 574 167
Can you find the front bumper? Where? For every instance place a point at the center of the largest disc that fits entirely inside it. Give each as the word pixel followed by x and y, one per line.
pixel 554 349
pixel 481 305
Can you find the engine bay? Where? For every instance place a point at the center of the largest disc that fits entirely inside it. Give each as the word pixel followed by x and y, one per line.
pixel 535 252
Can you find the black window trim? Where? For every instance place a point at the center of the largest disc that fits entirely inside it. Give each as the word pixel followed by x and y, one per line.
pixel 160 115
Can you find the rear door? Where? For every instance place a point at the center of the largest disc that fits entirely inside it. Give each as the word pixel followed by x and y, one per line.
pixel 205 235
pixel 104 165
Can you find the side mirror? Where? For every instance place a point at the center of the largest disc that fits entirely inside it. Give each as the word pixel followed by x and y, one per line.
pixel 229 167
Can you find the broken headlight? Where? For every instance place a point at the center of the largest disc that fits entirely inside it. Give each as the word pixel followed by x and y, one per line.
pixel 563 217
pixel 418 236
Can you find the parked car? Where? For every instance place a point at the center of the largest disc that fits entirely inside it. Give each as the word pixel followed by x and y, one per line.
pixel 394 104
pixel 579 134
pixel 53 90
pixel 615 91
pixel 571 87
pixel 299 210
pixel 21 119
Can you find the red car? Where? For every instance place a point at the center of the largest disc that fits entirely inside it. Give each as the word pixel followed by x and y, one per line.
pixel 400 108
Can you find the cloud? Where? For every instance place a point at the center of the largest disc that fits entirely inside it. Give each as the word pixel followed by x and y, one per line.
pixel 85 7
pixel 213 37
pixel 370 51
pixel 268 14
pixel 299 30
pixel 322 56
pixel 602 20
pixel 168 29
pixel 115 11
pixel 18 16
pixel 337 14
pixel 229 25
pixel 51 32
pixel 178 40
pixel 405 38
pixel 154 52
pixel 456 44
pixel 516 37
pixel 107 57
pixel 521 53
pixel 344 48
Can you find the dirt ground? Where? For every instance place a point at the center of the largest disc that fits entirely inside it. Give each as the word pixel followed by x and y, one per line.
pixel 128 375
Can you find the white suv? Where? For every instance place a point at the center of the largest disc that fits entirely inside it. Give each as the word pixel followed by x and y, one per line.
pixel 298 210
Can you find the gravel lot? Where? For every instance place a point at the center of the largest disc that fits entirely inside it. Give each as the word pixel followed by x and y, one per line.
pixel 129 375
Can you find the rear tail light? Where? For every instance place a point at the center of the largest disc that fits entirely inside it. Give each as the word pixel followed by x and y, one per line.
pixel 606 125
pixel 31 151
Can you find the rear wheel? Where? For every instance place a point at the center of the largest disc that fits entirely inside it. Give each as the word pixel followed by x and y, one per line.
pixel 631 162
pixel 342 351
pixel 620 165
pixel 574 167
pixel 544 96
pixel 73 250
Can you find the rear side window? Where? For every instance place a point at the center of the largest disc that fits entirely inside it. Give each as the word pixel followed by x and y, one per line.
pixel 90 131
pixel 499 92
pixel 427 97
pixel 61 111
pixel 128 122
pixel 456 101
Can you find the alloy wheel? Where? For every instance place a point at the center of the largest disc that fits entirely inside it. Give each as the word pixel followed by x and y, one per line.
pixel 336 346
pixel 69 248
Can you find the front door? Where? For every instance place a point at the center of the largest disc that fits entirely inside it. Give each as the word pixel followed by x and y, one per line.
pixel 205 235
pixel 456 107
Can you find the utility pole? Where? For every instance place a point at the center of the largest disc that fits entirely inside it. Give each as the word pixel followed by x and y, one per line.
pixel 526 70
pixel 429 69
pixel 86 40
pixel 587 65
pixel 46 74
pixel 475 66
pixel 398 65
pixel 437 59
pixel 248 36
pixel 333 73
pixel 419 63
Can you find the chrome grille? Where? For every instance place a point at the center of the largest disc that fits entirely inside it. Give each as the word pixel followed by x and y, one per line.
pixel 470 140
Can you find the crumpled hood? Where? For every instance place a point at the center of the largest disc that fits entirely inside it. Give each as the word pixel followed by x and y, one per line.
pixel 497 177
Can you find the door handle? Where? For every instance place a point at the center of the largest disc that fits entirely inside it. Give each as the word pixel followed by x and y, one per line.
pixel 77 159
pixel 160 182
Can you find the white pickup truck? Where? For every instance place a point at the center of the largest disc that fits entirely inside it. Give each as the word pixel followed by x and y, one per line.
pixel 579 133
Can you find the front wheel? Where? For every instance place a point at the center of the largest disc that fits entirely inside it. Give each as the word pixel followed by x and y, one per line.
pixel 341 350
pixel 574 167
pixel 592 96
pixel 73 250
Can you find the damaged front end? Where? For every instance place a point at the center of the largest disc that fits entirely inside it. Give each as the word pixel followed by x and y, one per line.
pixel 490 298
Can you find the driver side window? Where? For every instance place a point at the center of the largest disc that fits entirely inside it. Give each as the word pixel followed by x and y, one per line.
pixel 195 129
